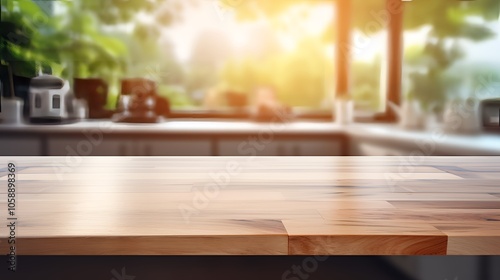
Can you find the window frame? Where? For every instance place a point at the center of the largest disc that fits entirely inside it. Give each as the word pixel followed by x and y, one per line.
pixel 342 74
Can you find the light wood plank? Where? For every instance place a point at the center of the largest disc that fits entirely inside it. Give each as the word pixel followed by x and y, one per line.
pixel 272 205
pixel 469 204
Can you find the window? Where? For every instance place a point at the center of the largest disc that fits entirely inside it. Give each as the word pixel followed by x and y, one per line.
pixel 451 53
pixel 226 60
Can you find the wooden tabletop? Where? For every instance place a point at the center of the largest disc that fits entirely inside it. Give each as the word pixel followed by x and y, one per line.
pixel 254 205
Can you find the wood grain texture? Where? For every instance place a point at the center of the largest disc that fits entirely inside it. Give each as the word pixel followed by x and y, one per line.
pixel 368 245
pixel 364 237
pixel 257 206
pixel 155 245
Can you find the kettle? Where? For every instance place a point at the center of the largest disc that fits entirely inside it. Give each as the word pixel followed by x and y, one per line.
pixel 47 98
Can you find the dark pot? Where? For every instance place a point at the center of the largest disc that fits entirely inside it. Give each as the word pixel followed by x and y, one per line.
pixel 95 92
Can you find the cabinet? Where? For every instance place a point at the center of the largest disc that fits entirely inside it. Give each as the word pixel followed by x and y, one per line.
pixel 85 147
pixel 368 149
pixel 279 147
pixel 200 147
pixel 128 147
pixel 19 146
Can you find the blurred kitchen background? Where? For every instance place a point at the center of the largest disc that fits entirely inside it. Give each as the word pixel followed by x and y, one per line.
pixel 205 77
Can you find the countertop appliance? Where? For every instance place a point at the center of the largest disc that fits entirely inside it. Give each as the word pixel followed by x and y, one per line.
pixel 490 112
pixel 137 102
pixel 47 99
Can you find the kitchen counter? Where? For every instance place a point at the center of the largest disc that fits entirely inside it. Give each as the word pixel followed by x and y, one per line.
pixel 427 143
pixel 352 138
pixel 255 205
pixel 179 126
